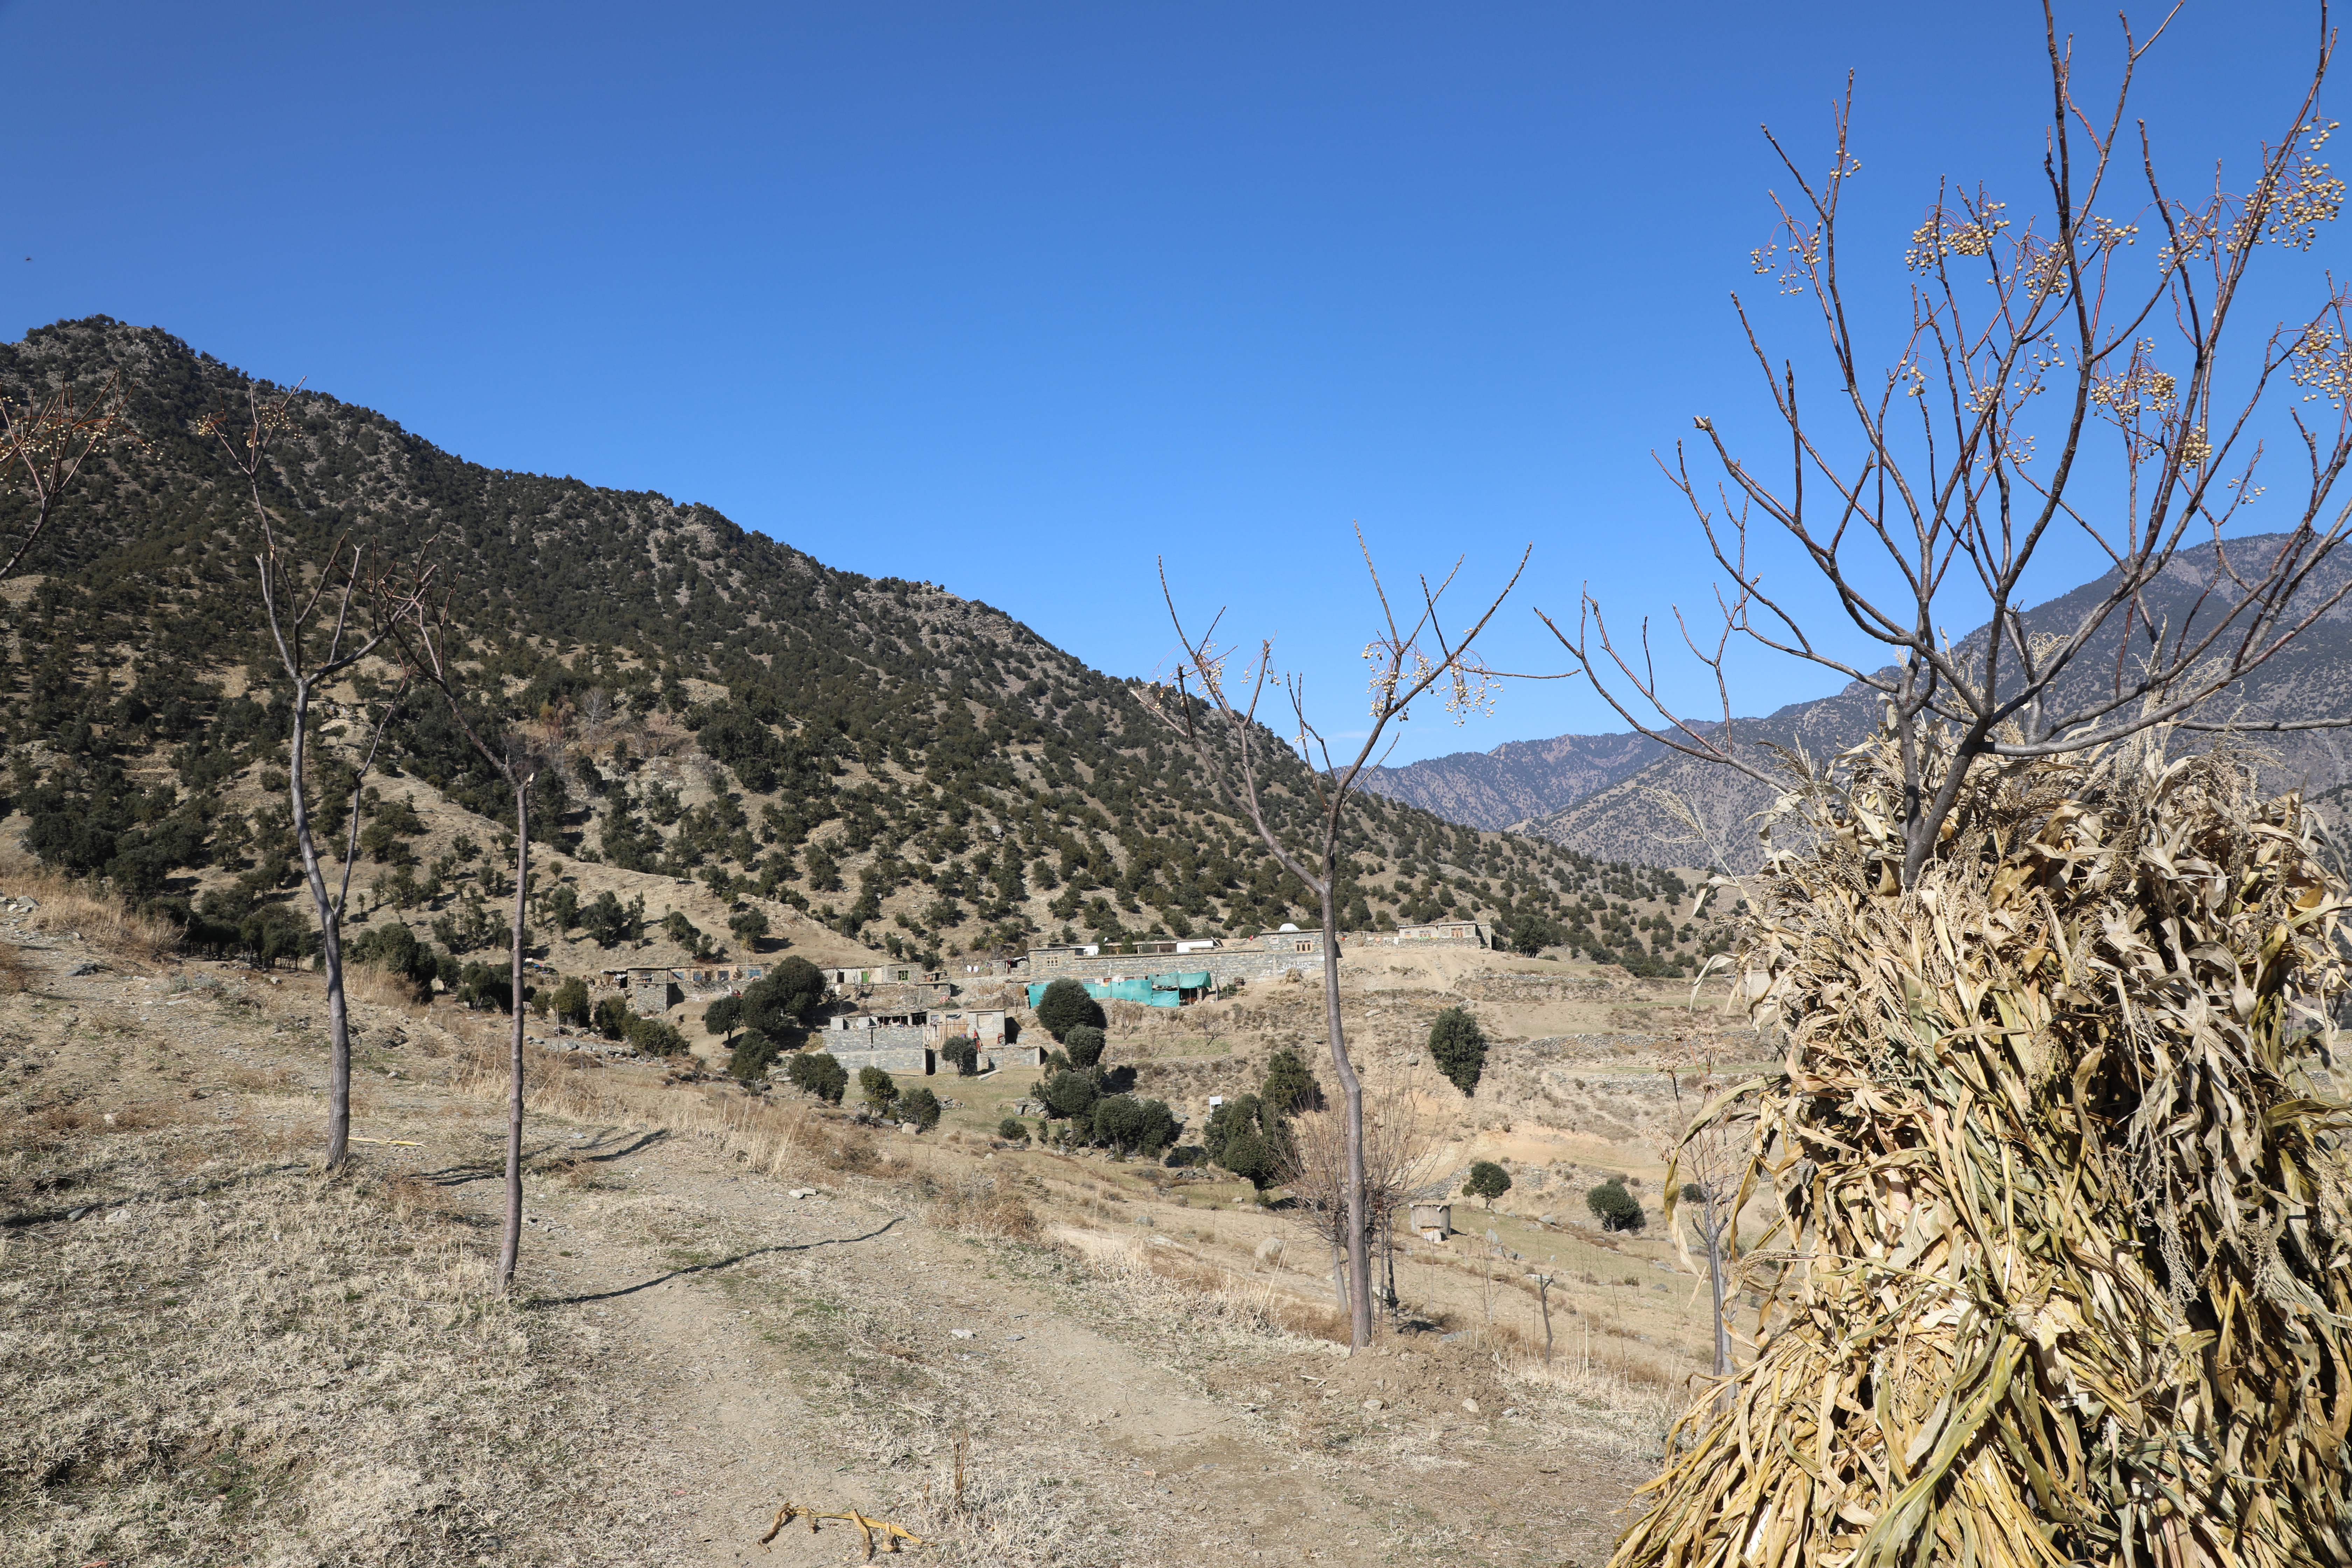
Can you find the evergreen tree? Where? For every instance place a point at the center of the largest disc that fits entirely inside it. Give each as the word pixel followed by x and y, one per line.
pixel 1289 1087
pixel 1458 1046
pixel 1064 1006
pixel 1488 1181
pixel 1616 1208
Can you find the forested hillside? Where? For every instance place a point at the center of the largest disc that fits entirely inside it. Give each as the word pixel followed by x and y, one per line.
pixel 916 773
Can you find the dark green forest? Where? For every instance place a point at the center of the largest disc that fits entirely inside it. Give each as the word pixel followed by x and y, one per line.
pixel 920 772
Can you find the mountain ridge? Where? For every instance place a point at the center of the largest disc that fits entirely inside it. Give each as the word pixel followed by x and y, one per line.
pixel 736 727
pixel 1625 817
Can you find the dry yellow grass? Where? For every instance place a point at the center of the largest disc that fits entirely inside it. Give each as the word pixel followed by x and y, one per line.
pixel 379 987
pixel 227 1358
pixel 99 918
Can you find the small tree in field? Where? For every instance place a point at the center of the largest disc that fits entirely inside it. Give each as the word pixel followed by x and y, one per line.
pixel 1615 1208
pixel 1399 1152
pixel 1487 1182
pixel 428 639
pixel 1217 721
pixel 920 1106
pixel 1458 1048
pixel 877 1089
pixel 571 1004
pixel 960 1052
pixel 293 611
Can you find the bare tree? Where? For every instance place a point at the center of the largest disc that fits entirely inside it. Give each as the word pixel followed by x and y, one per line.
pixel 425 635
pixel 1399 1148
pixel 294 611
pixel 1403 671
pixel 1704 1168
pixel 2029 358
pixel 51 441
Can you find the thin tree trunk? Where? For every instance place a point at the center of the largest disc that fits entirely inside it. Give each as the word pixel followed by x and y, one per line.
pixel 511 1243
pixel 1714 1280
pixel 1388 1261
pixel 1359 1260
pixel 330 943
pixel 1339 1273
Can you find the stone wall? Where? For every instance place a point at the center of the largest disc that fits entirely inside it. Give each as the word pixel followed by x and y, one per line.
pixel 1224 965
pixel 913 1060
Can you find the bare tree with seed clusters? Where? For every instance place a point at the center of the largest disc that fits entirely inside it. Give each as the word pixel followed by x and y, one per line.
pixel 425 635
pixel 1197 701
pixel 294 611
pixel 2070 379
pixel 52 440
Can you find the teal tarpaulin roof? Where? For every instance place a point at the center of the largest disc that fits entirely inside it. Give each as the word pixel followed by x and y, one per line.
pixel 1138 989
pixel 1192 980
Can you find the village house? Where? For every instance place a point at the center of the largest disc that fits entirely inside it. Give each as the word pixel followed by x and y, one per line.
pixel 653 988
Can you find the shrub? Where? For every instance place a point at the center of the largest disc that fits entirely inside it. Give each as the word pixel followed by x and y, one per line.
pixel 1616 1208
pixel 1458 1048
pixel 1070 1094
pixel 481 988
pixel 1065 1005
pixel 749 927
pixel 1289 1087
pixel 961 1053
pixel 1185 1154
pixel 1084 1044
pixel 1013 1130
pixel 656 1037
pixel 1248 1137
pixel 818 1073
pixel 920 1106
pixel 752 1057
pixel 393 948
pixel 877 1088
pixel 1488 1181
pixel 724 1016
pixel 571 1004
pixel 1133 1126
pixel 612 1018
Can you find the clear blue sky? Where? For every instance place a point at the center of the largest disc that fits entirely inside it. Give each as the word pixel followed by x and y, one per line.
pixel 1015 298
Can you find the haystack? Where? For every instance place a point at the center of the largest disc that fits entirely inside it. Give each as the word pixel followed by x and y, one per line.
pixel 2062 1263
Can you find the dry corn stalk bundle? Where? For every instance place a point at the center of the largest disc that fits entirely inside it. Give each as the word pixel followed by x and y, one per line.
pixel 2064 1256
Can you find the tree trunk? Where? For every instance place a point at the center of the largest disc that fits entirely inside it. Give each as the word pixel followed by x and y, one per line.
pixel 1360 1259
pixel 512 1241
pixel 1714 1282
pixel 1388 1260
pixel 330 943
